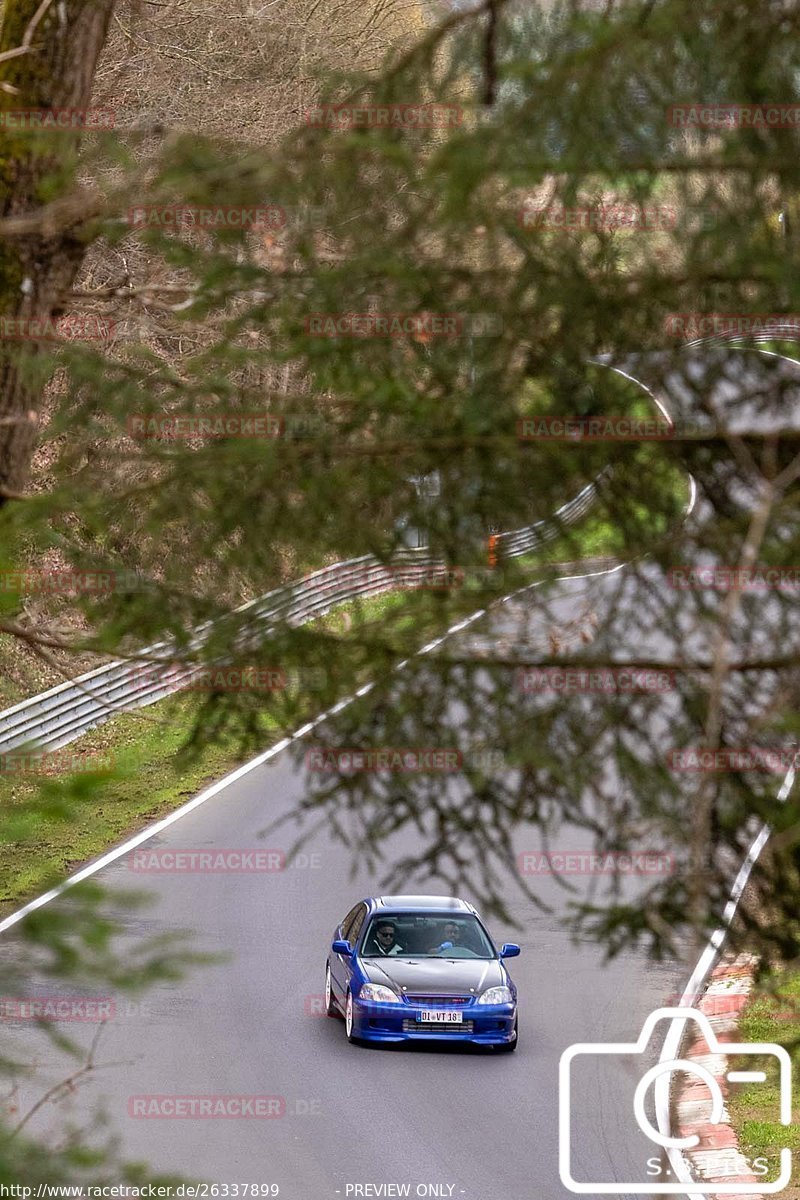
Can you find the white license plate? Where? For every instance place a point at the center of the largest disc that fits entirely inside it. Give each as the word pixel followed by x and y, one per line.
pixel 443 1016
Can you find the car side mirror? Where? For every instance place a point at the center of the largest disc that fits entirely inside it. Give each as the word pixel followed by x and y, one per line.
pixel 510 950
pixel 342 947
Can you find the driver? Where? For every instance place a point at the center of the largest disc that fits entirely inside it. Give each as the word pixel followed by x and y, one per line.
pixel 452 936
pixel 383 941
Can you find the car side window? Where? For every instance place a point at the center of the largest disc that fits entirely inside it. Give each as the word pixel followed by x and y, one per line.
pixel 348 921
pixel 356 927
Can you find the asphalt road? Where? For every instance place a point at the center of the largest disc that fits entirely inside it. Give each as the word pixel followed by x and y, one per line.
pixel 473 1124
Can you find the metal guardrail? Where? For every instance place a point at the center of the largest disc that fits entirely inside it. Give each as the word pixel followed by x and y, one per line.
pixel 789 329
pixel 56 717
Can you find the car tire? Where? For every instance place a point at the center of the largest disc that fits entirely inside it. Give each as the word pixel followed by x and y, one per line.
pixel 348 1019
pixel 331 1007
pixel 509 1047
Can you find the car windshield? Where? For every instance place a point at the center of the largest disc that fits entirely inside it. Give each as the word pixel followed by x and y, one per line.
pixel 426 935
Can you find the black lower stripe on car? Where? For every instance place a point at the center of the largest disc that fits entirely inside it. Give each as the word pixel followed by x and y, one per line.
pixel 410 1026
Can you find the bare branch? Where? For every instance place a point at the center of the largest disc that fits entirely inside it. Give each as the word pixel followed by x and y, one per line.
pixel 27 39
pixel 68 1084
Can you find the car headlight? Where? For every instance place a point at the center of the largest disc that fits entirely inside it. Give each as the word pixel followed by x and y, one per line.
pixel 378 993
pixel 496 995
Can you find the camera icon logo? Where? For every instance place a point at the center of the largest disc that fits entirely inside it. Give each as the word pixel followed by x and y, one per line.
pixel 667 1141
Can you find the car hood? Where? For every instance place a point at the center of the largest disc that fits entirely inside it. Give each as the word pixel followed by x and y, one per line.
pixel 435 975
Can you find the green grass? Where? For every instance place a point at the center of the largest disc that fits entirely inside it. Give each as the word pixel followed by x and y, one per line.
pixel 773 1015
pixel 598 537
pixel 38 848
pixel 786 348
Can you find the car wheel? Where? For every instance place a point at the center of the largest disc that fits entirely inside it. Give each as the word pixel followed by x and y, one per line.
pixel 330 1004
pixel 509 1046
pixel 349 1019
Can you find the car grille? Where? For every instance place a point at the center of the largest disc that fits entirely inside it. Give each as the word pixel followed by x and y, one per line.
pixel 436 1027
pixel 437 1001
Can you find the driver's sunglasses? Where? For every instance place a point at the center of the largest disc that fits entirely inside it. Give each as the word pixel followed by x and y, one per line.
pixel 382 933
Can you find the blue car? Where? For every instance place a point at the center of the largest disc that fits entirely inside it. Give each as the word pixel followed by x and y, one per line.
pixel 420 968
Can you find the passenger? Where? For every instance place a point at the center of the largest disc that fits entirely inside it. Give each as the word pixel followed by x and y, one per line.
pixel 452 936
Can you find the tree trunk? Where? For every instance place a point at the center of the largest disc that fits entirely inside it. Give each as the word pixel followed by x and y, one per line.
pixel 37 268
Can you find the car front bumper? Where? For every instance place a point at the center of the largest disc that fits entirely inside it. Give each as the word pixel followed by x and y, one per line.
pixel 481 1024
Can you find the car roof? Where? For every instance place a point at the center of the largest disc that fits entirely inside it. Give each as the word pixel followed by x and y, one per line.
pixel 428 903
